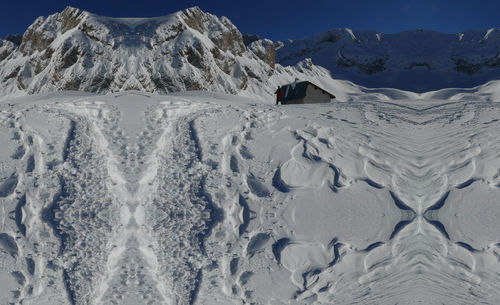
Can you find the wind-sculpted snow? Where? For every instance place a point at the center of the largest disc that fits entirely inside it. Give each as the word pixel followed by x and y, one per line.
pixel 135 198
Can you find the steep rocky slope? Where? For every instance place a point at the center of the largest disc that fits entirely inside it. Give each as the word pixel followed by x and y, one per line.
pixel 415 60
pixel 187 50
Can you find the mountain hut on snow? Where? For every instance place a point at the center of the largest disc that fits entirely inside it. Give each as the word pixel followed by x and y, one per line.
pixel 304 92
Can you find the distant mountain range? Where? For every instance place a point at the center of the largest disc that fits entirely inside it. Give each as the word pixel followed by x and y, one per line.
pixel 413 60
pixel 194 50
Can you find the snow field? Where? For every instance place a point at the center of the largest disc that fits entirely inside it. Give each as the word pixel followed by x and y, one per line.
pixel 199 198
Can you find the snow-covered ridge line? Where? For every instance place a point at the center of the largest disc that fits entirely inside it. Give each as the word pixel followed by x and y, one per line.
pixel 186 50
pixel 194 50
pixel 417 60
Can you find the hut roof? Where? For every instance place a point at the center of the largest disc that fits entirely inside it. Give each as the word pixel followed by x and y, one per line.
pixel 290 93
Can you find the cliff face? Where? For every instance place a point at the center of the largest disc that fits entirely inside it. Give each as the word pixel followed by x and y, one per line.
pixel 413 60
pixel 187 50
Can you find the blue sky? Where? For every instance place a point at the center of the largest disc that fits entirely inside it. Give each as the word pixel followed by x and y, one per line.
pixel 280 20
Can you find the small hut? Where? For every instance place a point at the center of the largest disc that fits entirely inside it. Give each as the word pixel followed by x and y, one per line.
pixel 304 93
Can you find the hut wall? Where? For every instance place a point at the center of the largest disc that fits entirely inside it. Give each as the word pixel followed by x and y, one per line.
pixel 314 95
pixel 296 101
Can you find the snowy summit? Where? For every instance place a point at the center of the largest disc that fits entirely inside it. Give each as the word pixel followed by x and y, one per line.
pixel 187 50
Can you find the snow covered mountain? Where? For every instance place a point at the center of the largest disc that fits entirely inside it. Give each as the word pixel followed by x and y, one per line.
pixel 187 50
pixel 195 50
pixel 416 60
pixel 188 198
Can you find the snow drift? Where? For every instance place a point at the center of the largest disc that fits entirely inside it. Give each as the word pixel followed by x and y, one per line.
pixel 197 198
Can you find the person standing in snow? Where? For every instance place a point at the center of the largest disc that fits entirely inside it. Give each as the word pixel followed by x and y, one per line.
pixel 279 95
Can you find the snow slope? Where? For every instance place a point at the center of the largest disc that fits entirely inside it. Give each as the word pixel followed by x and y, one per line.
pixel 206 198
pixel 417 60
pixel 184 51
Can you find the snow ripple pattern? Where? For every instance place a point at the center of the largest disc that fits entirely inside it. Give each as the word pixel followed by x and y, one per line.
pixel 193 198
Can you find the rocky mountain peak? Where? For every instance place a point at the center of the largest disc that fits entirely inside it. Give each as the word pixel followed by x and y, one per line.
pixel 44 30
pixel 186 50
pixel 14 38
pixel 221 31
pixel 6 49
pixel 70 18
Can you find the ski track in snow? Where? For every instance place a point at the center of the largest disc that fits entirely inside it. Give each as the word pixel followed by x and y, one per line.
pixel 195 199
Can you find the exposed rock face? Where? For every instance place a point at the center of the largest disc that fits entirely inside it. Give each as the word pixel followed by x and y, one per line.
pixel 249 38
pixel 187 50
pixel 15 39
pixel 265 50
pixel 367 66
pixel 413 60
pixel 6 48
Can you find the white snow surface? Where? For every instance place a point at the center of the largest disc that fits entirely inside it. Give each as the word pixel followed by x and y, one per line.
pixel 209 198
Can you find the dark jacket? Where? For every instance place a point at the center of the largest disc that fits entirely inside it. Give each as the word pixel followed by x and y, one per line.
pixel 279 93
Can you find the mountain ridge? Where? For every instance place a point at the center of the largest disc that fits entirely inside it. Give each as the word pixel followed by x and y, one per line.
pixel 195 50
pixel 417 60
pixel 182 51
